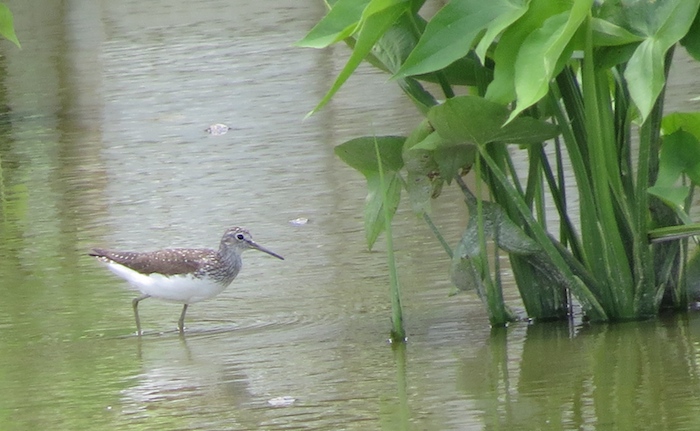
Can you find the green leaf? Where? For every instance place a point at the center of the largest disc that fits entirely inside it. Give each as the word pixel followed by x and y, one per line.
pixel 502 88
pixel 465 274
pixel 688 121
pixel 377 6
pixel 606 33
pixel 507 235
pixel 421 131
pixel 420 192
pixel 645 75
pixel 663 24
pixel 608 57
pixel 415 159
pixel 468 253
pixel 359 153
pixel 340 22
pixel 375 220
pixel 431 142
pixel 674 197
pixel 472 119
pixel 680 154
pixel 7 28
pixel 452 159
pixel 527 130
pixel 452 32
pixel 372 27
pixel 418 95
pixel 691 41
pixel 397 42
pixel 469 119
pixel 693 275
pixel 420 166
pixel 510 12
pixel 391 51
pixel 498 227
pixel 541 54
pixel 464 71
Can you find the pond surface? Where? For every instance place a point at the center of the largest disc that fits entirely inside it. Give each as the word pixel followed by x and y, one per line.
pixel 103 143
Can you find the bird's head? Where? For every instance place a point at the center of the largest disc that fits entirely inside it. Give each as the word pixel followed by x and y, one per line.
pixel 239 239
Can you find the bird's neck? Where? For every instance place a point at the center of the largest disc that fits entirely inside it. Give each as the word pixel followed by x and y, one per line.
pixel 230 255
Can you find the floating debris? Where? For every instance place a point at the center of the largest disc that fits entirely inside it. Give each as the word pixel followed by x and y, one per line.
pixel 301 221
pixel 281 401
pixel 217 129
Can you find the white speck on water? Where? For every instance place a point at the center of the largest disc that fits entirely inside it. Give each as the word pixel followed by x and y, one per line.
pixel 281 401
pixel 301 221
pixel 217 129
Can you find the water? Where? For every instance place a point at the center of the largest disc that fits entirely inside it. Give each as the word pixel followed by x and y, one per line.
pixel 102 143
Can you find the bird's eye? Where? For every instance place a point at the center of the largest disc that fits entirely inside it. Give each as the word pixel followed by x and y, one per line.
pixel 240 236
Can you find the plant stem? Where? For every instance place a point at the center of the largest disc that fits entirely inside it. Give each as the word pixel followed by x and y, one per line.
pixel 437 233
pixel 588 299
pixel 397 333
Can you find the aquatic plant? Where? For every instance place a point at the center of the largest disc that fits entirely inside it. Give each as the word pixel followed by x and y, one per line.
pixel 579 87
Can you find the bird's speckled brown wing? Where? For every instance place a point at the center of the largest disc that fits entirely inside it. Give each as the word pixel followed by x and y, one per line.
pixel 167 262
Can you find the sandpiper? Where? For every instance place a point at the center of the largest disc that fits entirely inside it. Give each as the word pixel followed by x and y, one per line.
pixel 183 275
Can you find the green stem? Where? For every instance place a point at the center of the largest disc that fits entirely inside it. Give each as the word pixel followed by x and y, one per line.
pixel 398 333
pixel 647 293
pixel 588 299
pixel 437 233
pixel 559 198
pixel 499 314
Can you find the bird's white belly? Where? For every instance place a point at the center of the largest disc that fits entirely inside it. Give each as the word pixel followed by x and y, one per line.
pixel 185 289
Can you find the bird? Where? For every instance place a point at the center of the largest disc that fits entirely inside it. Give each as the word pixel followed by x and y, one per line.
pixel 182 275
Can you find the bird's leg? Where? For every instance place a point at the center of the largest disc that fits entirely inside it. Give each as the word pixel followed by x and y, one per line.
pixel 181 322
pixel 135 304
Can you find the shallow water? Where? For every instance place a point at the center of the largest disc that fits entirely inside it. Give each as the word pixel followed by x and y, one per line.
pixel 102 143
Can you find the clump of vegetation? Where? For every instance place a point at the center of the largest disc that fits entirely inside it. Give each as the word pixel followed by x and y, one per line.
pixel 578 86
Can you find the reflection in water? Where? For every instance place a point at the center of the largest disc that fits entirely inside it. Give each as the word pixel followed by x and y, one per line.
pixel 626 376
pixel 104 144
pixel 395 411
pixel 177 380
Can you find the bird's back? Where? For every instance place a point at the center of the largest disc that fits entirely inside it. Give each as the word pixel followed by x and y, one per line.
pixel 168 262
